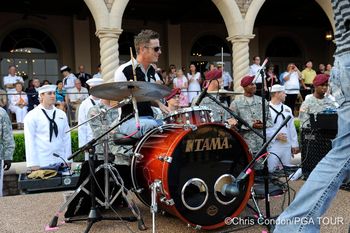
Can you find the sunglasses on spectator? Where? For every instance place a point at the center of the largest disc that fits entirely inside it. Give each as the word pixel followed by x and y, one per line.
pixel 156 49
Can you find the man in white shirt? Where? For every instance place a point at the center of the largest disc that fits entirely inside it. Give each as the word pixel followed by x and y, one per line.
pixel 11 79
pixel 148 51
pixel 76 96
pixel 253 71
pixel 45 132
pixel 285 144
pixel 84 131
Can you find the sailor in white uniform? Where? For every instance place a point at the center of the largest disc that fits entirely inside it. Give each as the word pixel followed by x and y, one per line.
pixel 44 131
pixel 69 78
pixel 285 144
pixel 84 131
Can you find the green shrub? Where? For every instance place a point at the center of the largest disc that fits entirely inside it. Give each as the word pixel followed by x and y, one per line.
pixel 19 154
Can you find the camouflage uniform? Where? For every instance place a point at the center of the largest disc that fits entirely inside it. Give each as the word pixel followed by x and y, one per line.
pixel 99 126
pixel 312 105
pixel 219 114
pixel 7 143
pixel 251 112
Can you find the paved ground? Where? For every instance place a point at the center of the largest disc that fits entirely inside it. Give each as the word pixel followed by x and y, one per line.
pixel 30 213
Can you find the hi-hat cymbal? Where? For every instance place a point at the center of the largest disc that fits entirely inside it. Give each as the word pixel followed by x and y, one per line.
pixel 222 92
pixel 142 91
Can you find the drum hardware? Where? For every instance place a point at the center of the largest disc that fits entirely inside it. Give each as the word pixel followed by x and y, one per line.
pixel 203 120
pixel 191 115
pixel 200 186
pixel 190 126
pixel 164 158
pixel 94 214
pixel 138 155
pixel 166 201
pixel 154 206
pixel 261 216
pixel 196 227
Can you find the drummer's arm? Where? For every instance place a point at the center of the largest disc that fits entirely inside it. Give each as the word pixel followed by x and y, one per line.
pixel 162 107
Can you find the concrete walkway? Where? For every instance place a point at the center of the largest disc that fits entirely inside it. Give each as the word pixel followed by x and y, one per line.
pixel 30 214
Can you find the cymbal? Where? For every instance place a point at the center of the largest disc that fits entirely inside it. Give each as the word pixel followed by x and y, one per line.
pixel 222 92
pixel 142 91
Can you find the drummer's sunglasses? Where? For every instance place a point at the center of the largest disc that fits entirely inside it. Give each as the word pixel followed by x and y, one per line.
pixel 156 49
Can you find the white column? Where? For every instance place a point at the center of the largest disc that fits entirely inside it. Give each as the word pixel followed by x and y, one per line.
pixel 174 45
pixel 240 59
pixel 109 52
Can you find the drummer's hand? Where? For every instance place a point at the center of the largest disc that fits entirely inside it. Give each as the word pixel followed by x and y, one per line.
pixel 257 124
pixel 232 121
pixel 162 107
pixel 160 82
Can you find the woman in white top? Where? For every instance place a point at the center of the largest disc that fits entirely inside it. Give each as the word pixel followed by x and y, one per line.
pixel 291 84
pixel 18 104
pixel 181 82
pixel 194 79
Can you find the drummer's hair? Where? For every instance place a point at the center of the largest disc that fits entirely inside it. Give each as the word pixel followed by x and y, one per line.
pixel 144 37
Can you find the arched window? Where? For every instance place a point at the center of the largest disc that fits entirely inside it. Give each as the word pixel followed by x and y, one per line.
pixel 208 49
pixel 32 52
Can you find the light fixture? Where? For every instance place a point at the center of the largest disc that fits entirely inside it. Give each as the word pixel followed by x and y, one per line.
pixel 328 35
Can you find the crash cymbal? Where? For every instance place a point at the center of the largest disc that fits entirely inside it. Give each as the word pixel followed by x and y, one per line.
pixel 142 91
pixel 222 92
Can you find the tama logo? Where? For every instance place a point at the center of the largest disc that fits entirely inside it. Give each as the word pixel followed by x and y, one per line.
pixel 207 144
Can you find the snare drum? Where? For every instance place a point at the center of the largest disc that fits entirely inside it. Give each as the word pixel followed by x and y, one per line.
pixel 192 165
pixel 192 115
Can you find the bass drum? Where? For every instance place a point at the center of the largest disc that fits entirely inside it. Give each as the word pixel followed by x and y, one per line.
pixel 192 165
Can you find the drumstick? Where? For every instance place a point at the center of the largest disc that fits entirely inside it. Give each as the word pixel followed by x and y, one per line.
pixel 133 65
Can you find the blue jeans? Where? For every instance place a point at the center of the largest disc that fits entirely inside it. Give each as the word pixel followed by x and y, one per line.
pixel 314 198
pixel 146 124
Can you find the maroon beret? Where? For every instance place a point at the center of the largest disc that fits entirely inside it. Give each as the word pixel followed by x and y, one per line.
pixel 213 74
pixel 174 92
pixel 320 79
pixel 247 80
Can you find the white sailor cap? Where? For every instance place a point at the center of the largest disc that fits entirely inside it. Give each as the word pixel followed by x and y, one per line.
pixel 65 68
pixel 277 88
pixel 220 63
pixel 46 88
pixel 94 82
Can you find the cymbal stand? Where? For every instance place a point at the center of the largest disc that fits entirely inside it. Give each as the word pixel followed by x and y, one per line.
pixel 94 215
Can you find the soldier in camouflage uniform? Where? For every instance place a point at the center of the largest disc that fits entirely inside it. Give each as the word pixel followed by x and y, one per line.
pixel 7 144
pixel 99 125
pixel 214 77
pixel 317 102
pixel 249 108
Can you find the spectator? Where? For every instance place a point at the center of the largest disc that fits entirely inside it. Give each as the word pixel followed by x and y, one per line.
pixel 291 83
pixel 18 104
pixel 328 69
pixel 321 69
pixel 308 75
pixel 98 74
pixel 61 96
pixel 169 80
pixel 253 71
pixel 194 80
pixel 3 99
pixel 181 82
pixel 68 78
pixel 46 82
pixel 83 76
pixel 11 79
pixel 227 82
pixel 77 95
pixel 32 94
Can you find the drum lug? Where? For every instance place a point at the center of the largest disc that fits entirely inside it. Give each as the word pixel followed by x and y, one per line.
pixel 169 202
pixel 138 155
pixel 190 126
pixel 196 227
pixel 164 158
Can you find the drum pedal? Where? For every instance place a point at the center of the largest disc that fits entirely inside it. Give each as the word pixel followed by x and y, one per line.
pixel 169 202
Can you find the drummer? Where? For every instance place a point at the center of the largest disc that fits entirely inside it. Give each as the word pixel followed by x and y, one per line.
pixel 214 78
pixel 148 50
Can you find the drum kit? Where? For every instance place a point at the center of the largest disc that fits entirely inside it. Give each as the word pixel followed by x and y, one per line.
pixel 182 167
